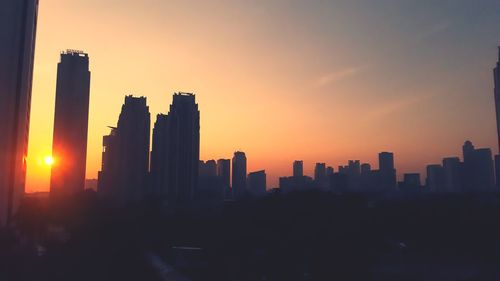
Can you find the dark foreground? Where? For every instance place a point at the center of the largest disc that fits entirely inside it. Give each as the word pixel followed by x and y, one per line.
pixel 301 236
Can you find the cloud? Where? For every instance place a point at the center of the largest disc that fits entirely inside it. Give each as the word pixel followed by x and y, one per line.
pixel 435 30
pixel 394 106
pixel 339 75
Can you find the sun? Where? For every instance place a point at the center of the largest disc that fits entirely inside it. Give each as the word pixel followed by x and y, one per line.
pixel 48 160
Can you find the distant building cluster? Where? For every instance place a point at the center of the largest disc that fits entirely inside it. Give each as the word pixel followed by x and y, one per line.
pixel 474 174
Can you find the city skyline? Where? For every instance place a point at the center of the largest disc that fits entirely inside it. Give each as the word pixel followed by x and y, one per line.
pixel 325 115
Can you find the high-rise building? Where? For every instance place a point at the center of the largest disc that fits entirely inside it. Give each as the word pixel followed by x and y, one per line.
pixel 125 157
pixel 435 178
pixel 69 145
pixel 298 168
pixel 18 21
pixel 257 183
pixel 176 151
pixel 239 174
pixel 386 161
pixel 496 78
pixel 387 172
pixel 224 173
pixel 320 172
pixel 159 156
pixel 452 174
pixel 329 171
pixel 478 170
pixel 412 180
pixel 366 168
pixel 207 169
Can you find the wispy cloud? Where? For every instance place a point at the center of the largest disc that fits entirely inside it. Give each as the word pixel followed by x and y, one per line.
pixel 395 106
pixel 436 29
pixel 339 75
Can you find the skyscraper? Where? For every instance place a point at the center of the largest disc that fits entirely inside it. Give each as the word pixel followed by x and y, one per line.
pixel 257 183
pixel 125 157
pixel 18 21
pixel 478 170
pixel 320 172
pixel 387 172
pixel 224 173
pixel 176 150
pixel 435 178
pixel 239 174
pixel 452 174
pixel 496 78
pixel 69 145
pixel 298 168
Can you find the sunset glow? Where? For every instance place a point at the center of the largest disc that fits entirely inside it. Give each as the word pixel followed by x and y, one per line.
pixel 281 80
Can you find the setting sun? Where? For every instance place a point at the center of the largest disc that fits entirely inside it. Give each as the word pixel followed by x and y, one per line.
pixel 48 160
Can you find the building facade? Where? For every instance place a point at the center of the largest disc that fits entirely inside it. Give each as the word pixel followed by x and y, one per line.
pixel 176 151
pixel 256 182
pixel 69 145
pixel 18 22
pixel 239 174
pixel 125 156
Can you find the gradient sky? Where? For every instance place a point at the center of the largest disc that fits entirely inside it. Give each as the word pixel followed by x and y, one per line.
pixel 321 81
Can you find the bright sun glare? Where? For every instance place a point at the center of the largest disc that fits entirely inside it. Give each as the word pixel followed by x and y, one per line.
pixel 48 160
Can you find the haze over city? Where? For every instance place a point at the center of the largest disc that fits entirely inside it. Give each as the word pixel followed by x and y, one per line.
pixel 321 81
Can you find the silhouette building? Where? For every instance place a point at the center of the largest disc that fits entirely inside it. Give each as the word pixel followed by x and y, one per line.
pixel 298 168
pixel 478 170
pixel 298 181
pixel 208 169
pixel 69 145
pixel 387 172
pixel 125 156
pixel 411 182
pixel 496 78
pixel 210 185
pixel 320 177
pixel 176 151
pixel 435 178
pixel 452 168
pixel 18 21
pixel 224 172
pixel 239 174
pixel 329 171
pixel 257 183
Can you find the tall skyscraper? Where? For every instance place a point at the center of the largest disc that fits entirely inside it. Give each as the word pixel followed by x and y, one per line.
pixel 208 169
pixel 257 183
pixel 452 174
pixel 69 145
pixel 239 174
pixel 176 150
pixel 496 78
pixel 435 178
pixel 18 21
pixel 387 172
pixel 298 169
pixel 320 172
pixel 224 173
pixel 125 157
pixel 386 161
pixel 478 170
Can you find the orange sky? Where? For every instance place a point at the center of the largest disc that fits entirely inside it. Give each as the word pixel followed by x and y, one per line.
pixel 281 80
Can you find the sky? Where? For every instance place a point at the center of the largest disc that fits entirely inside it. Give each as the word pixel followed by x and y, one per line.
pixel 282 80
